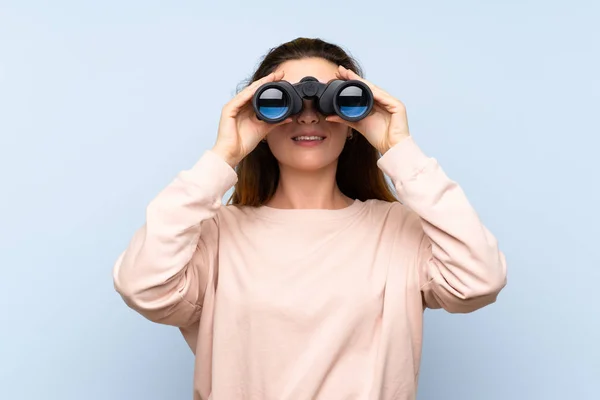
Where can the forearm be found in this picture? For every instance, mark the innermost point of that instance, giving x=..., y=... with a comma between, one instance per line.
x=163, y=270
x=461, y=267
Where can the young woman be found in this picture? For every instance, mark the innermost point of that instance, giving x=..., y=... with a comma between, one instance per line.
x=311, y=282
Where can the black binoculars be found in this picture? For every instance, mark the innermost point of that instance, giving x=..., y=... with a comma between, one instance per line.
x=352, y=100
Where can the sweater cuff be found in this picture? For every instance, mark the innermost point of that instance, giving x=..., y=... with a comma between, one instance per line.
x=403, y=161
x=211, y=173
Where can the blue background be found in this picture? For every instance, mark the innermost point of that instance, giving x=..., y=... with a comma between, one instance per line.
x=102, y=103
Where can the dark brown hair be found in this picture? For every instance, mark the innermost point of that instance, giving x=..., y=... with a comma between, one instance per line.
x=357, y=176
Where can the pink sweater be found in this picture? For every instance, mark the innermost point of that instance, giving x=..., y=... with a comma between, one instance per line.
x=309, y=304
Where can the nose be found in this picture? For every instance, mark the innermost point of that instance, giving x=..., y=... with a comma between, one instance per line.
x=309, y=114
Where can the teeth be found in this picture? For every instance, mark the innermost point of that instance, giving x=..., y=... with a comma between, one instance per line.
x=308, y=138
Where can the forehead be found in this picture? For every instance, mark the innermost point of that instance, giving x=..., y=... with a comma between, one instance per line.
x=321, y=69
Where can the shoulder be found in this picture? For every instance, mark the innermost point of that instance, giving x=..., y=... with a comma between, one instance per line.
x=236, y=212
x=395, y=213
x=388, y=209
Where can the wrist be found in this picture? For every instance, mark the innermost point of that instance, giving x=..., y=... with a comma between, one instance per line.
x=391, y=142
x=226, y=156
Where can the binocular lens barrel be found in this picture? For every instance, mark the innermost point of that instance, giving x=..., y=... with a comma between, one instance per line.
x=273, y=103
x=352, y=102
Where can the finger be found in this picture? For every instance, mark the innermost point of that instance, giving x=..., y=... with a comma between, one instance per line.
x=266, y=127
x=348, y=74
x=242, y=98
x=269, y=125
x=285, y=121
x=273, y=76
x=390, y=103
x=339, y=120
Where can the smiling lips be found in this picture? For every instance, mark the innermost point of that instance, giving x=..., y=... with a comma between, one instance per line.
x=308, y=140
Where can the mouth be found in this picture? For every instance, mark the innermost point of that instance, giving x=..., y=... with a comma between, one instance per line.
x=308, y=138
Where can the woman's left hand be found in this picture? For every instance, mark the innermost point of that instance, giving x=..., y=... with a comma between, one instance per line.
x=386, y=125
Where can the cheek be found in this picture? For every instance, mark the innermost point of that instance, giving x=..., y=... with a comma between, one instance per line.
x=277, y=139
x=277, y=135
x=339, y=132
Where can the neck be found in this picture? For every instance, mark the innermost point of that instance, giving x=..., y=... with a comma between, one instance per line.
x=308, y=190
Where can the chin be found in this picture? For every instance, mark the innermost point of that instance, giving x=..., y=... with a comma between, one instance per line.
x=308, y=164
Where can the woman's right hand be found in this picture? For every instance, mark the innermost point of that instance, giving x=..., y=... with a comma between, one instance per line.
x=240, y=131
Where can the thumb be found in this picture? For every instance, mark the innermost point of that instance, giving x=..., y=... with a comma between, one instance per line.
x=269, y=127
x=266, y=127
x=339, y=120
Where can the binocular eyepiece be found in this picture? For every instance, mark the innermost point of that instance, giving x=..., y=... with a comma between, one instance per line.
x=352, y=100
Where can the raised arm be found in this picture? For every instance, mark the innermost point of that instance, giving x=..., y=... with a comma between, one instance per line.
x=164, y=271
x=461, y=268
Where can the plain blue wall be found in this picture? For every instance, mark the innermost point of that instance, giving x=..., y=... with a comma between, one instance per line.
x=102, y=104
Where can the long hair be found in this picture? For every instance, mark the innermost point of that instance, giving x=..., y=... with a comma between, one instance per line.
x=357, y=176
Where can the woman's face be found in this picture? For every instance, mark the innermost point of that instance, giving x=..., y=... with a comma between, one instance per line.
x=309, y=142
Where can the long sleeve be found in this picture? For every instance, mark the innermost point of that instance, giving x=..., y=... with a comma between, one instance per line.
x=461, y=268
x=164, y=271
